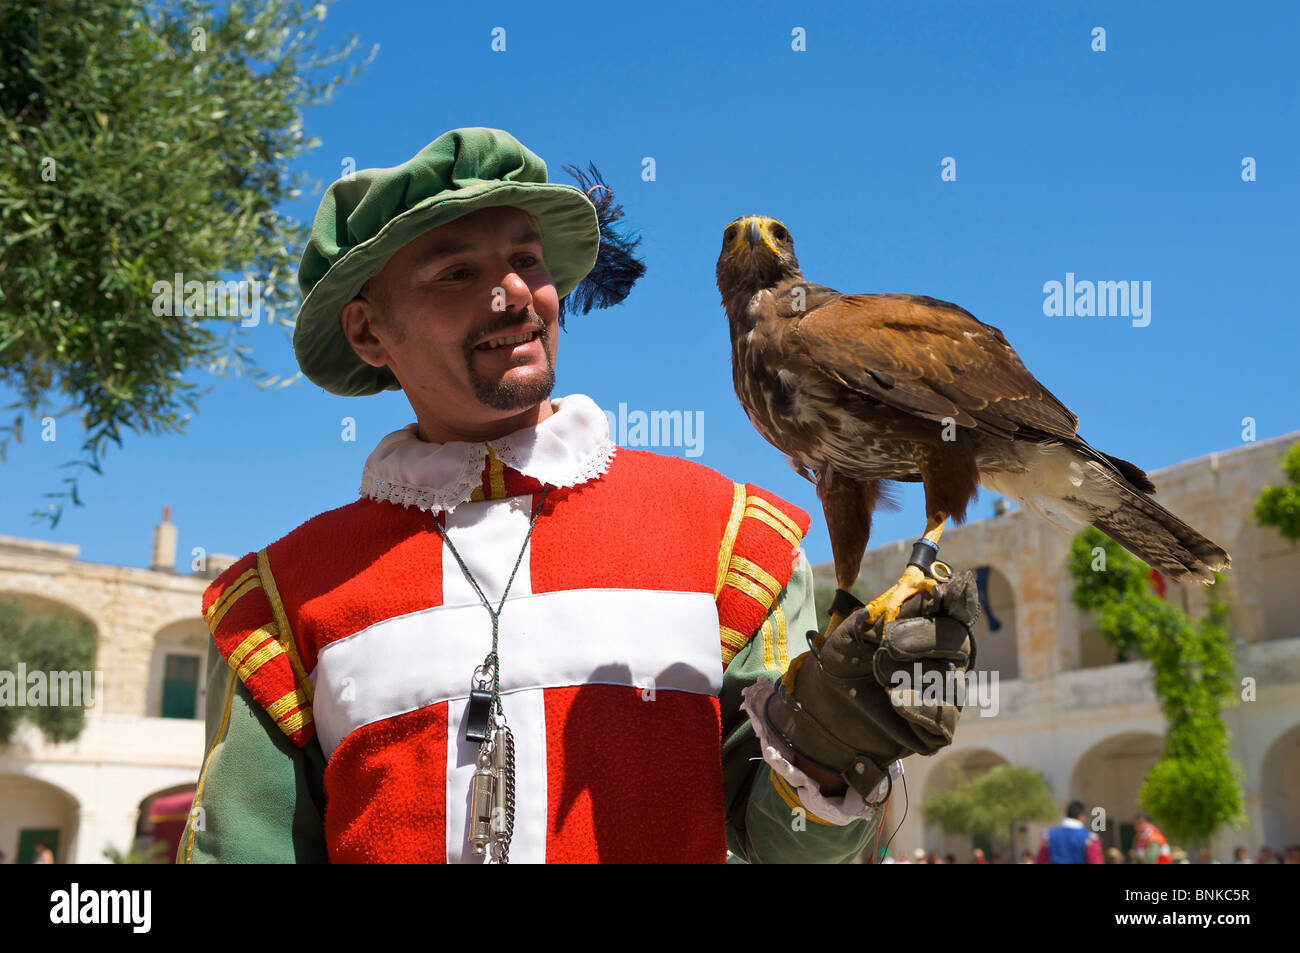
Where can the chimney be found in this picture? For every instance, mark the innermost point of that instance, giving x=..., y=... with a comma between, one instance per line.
x=217, y=563
x=164, y=544
x=999, y=506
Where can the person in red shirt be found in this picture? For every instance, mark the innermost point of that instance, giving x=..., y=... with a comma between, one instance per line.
x=1152, y=847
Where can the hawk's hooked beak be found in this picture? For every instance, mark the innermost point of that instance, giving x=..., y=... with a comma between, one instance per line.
x=753, y=232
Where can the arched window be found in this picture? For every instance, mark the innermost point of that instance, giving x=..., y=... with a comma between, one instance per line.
x=177, y=671
x=995, y=632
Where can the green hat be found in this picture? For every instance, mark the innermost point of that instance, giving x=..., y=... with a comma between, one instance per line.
x=363, y=220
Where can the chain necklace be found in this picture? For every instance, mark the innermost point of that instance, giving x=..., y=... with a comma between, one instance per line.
x=492, y=795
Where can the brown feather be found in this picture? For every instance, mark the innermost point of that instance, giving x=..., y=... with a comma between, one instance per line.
x=860, y=388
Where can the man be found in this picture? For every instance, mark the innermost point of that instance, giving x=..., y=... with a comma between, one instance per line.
x=520, y=644
x=1150, y=844
x=1070, y=842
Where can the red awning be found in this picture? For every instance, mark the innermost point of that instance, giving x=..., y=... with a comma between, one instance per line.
x=173, y=807
x=167, y=818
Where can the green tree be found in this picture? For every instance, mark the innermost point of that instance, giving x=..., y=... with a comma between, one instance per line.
x=139, y=140
x=991, y=804
x=1279, y=506
x=56, y=643
x=156, y=854
x=1195, y=787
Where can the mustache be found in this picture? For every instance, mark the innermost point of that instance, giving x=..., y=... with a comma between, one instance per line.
x=508, y=319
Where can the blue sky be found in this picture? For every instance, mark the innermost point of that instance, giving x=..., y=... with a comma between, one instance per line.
x=1116, y=165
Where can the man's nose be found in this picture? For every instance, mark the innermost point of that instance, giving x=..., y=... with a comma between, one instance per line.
x=517, y=293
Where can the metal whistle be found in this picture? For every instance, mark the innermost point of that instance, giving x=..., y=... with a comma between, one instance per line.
x=482, y=800
x=499, y=817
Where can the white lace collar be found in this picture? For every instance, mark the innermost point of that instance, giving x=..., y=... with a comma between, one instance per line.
x=569, y=447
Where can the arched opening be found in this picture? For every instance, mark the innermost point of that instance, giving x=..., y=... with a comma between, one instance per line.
x=995, y=632
x=1279, y=792
x=44, y=607
x=1108, y=776
x=35, y=812
x=40, y=607
x=52, y=648
x=177, y=671
x=162, y=820
x=956, y=767
x=1275, y=563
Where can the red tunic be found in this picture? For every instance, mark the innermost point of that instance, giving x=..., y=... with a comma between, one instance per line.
x=358, y=629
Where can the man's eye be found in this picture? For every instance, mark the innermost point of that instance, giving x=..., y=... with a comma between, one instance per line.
x=452, y=276
x=529, y=261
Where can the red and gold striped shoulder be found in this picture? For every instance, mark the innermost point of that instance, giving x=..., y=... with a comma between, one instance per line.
x=251, y=630
x=755, y=561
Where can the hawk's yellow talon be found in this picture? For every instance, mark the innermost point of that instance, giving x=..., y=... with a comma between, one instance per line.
x=889, y=602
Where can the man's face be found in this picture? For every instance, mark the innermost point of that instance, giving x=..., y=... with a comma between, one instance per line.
x=465, y=317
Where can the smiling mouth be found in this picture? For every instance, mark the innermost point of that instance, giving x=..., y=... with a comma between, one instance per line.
x=506, y=340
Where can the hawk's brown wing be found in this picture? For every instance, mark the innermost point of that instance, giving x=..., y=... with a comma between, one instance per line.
x=932, y=359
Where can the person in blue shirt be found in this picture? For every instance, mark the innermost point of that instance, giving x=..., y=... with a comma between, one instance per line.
x=1070, y=842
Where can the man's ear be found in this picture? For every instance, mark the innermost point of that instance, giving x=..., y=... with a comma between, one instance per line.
x=358, y=318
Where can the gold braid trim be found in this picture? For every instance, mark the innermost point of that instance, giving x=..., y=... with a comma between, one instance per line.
x=284, y=633
x=258, y=659
x=729, y=536
x=751, y=589
x=732, y=642
x=765, y=633
x=755, y=572
x=229, y=594
x=763, y=516
x=207, y=762
x=252, y=641
x=791, y=798
x=285, y=704
x=762, y=504
x=733, y=637
x=295, y=722
x=782, y=650
x=217, y=611
x=496, y=475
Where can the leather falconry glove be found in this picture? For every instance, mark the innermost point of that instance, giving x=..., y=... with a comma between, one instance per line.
x=866, y=696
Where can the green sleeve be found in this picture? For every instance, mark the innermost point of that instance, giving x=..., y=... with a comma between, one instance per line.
x=260, y=797
x=762, y=827
x=1152, y=852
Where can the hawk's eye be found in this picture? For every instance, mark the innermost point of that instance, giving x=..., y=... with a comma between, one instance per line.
x=779, y=233
x=730, y=234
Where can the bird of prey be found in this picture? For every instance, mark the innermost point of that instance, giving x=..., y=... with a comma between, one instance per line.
x=863, y=388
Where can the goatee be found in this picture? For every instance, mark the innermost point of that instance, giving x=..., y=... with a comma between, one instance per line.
x=512, y=395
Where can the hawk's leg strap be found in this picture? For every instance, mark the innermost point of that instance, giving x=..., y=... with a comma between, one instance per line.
x=923, y=558
x=923, y=554
x=845, y=604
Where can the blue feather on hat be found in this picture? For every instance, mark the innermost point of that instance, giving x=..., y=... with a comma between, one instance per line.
x=617, y=269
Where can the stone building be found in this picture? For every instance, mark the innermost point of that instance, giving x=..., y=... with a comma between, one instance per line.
x=1068, y=709
x=1065, y=708
x=143, y=739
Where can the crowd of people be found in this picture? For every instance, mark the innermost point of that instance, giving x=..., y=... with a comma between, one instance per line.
x=1074, y=842
x=1113, y=855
